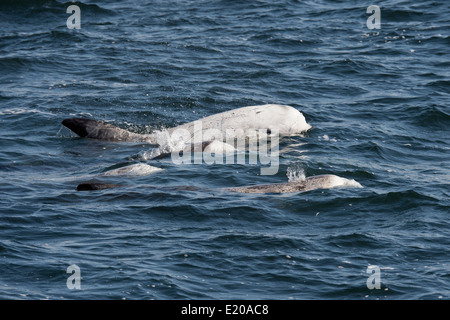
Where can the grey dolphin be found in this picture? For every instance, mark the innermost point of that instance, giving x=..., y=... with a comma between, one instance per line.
x=95, y=129
x=326, y=181
x=89, y=186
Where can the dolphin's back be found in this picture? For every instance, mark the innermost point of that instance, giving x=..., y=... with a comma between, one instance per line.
x=326, y=181
x=94, y=129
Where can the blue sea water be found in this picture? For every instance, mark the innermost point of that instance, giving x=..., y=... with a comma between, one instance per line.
x=378, y=101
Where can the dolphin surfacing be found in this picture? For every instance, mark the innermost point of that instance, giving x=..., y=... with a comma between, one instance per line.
x=326, y=181
x=283, y=119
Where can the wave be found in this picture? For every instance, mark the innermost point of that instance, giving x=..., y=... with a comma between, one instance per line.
x=433, y=116
x=16, y=111
x=51, y=6
x=443, y=85
x=396, y=15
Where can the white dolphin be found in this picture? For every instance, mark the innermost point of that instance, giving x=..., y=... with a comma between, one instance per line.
x=285, y=120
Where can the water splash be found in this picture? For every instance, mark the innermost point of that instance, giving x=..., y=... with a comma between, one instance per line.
x=167, y=144
x=295, y=172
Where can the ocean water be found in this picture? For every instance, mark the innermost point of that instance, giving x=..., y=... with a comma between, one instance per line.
x=378, y=101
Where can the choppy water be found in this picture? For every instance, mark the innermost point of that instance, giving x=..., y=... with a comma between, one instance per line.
x=378, y=101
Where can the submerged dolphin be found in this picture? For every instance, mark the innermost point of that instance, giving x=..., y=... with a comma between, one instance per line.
x=283, y=119
x=326, y=181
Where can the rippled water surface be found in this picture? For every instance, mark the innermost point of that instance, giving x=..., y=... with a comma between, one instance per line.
x=378, y=101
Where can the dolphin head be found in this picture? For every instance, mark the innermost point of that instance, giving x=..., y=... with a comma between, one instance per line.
x=299, y=124
x=283, y=119
x=328, y=181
